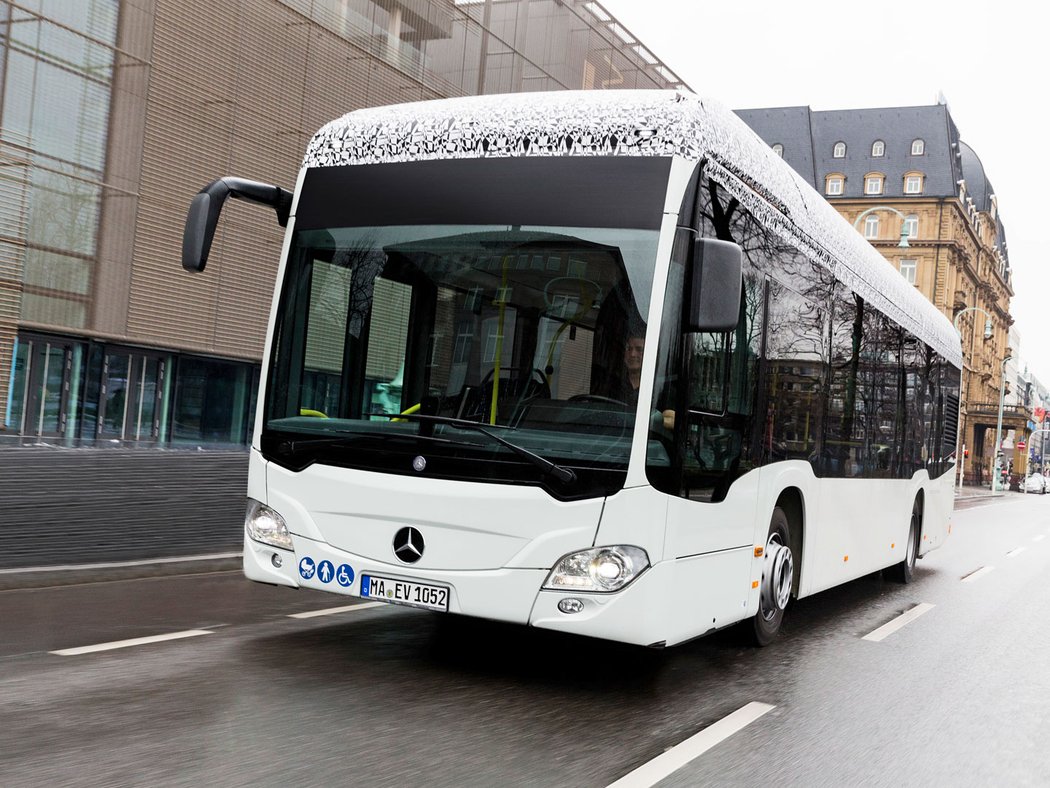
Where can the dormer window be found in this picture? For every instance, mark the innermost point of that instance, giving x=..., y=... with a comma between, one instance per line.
x=878, y=148
x=918, y=148
x=778, y=149
x=839, y=151
x=873, y=183
x=833, y=184
x=913, y=183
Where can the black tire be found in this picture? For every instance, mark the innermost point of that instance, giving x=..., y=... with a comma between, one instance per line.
x=904, y=572
x=767, y=621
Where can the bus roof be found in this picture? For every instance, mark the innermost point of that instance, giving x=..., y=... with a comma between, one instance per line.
x=638, y=123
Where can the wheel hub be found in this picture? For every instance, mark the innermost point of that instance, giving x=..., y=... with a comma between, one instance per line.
x=777, y=573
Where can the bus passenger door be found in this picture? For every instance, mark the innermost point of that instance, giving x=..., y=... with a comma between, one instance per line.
x=714, y=501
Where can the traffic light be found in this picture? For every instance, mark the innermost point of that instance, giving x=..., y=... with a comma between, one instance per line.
x=966, y=454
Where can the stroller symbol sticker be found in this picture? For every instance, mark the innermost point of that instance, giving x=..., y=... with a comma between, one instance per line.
x=307, y=567
x=344, y=575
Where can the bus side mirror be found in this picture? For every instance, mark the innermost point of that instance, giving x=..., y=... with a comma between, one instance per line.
x=204, y=212
x=715, y=286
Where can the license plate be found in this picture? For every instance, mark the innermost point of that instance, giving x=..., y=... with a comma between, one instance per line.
x=404, y=592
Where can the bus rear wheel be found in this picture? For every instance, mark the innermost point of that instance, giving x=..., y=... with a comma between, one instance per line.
x=778, y=572
x=904, y=572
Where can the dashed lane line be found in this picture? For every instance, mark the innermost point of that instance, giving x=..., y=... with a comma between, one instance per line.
x=903, y=619
x=649, y=774
x=1039, y=538
x=978, y=574
x=1016, y=552
x=329, y=611
x=74, y=652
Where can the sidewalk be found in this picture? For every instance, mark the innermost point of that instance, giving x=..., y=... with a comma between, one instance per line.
x=969, y=492
x=47, y=576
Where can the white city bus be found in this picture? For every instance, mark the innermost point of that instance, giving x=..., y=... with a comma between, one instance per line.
x=594, y=362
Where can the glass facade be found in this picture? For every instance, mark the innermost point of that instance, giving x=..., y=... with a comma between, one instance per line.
x=495, y=46
x=82, y=393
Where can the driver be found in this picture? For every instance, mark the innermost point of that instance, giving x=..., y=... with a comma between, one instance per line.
x=631, y=378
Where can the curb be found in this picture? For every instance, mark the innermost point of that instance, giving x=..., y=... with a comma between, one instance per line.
x=49, y=576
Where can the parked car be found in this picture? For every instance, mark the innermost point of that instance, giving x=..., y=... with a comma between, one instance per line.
x=1035, y=483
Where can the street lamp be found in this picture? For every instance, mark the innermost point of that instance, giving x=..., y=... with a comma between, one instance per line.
x=904, y=222
x=999, y=428
x=987, y=321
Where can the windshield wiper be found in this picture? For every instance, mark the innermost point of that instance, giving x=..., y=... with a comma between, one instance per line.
x=294, y=445
x=564, y=475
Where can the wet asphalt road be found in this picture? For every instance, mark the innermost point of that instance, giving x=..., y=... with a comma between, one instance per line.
x=385, y=696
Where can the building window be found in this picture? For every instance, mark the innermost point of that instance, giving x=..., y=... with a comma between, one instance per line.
x=908, y=269
x=911, y=226
x=871, y=227
x=873, y=184
x=839, y=151
x=778, y=149
x=55, y=79
x=878, y=148
x=913, y=183
x=918, y=148
x=833, y=185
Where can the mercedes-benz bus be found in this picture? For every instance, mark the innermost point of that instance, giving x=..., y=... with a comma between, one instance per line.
x=597, y=362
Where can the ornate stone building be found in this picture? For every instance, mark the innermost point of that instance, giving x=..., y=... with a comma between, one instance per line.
x=906, y=171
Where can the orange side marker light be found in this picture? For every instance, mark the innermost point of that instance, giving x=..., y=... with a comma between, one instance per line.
x=754, y=584
x=759, y=551
x=845, y=558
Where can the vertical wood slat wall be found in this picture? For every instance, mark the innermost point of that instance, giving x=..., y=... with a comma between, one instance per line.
x=14, y=178
x=235, y=88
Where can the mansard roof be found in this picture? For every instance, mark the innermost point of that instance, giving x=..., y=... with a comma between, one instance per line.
x=897, y=127
x=789, y=126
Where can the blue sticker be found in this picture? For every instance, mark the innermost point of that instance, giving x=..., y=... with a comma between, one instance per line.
x=307, y=567
x=325, y=570
x=344, y=575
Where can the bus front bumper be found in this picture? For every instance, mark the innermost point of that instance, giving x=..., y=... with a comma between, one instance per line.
x=512, y=595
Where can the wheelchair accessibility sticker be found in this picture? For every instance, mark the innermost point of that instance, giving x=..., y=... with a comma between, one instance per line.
x=344, y=575
x=307, y=567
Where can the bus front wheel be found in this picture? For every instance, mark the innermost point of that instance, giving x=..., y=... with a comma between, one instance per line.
x=777, y=574
x=905, y=570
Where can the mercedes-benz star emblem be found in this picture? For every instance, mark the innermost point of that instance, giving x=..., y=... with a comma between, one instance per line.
x=408, y=545
x=419, y=463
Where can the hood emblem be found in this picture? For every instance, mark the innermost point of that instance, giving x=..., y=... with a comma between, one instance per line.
x=408, y=545
x=419, y=463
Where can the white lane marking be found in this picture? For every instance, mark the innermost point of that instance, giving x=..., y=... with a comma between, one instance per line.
x=979, y=573
x=328, y=611
x=73, y=652
x=1016, y=551
x=661, y=766
x=1039, y=538
x=903, y=619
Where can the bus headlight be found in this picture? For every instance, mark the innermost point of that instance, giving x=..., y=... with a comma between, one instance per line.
x=266, y=526
x=601, y=569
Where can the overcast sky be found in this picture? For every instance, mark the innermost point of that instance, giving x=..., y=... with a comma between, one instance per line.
x=990, y=60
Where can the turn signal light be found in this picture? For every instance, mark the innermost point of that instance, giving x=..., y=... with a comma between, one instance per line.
x=759, y=551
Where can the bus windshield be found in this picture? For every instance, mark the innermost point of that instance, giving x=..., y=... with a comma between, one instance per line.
x=389, y=339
